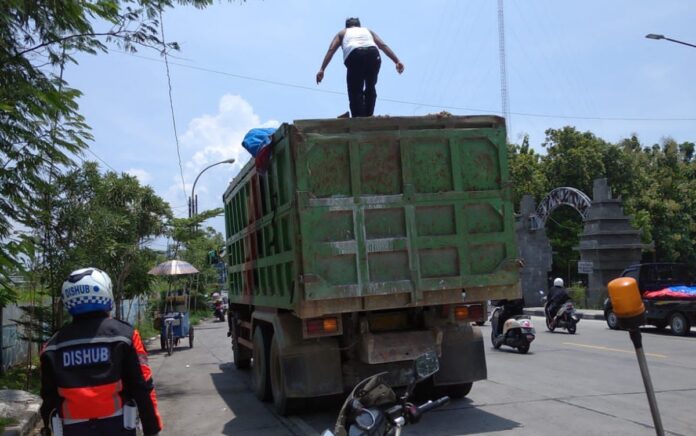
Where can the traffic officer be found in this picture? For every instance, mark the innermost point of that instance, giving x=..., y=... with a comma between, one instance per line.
x=94, y=371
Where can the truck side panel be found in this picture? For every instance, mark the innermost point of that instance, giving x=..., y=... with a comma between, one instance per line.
x=261, y=226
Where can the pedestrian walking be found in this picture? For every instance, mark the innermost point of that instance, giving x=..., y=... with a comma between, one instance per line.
x=94, y=371
x=362, y=60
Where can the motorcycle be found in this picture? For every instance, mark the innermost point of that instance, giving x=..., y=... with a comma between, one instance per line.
x=518, y=331
x=219, y=312
x=373, y=409
x=566, y=317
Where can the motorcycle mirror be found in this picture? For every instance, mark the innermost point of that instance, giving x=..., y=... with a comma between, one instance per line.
x=541, y=292
x=426, y=365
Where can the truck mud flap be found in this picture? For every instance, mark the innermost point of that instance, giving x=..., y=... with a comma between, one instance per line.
x=311, y=367
x=312, y=370
x=463, y=358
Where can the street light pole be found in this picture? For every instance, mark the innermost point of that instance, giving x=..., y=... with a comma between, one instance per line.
x=658, y=36
x=193, y=201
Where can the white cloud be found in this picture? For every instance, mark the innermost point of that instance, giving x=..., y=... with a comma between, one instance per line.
x=219, y=137
x=143, y=176
x=209, y=139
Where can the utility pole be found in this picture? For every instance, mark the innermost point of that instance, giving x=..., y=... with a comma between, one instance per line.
x=503, y=67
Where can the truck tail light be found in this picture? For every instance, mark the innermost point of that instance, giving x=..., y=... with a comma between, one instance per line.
x=461, y=313
x=470, y=312
x=324, y=326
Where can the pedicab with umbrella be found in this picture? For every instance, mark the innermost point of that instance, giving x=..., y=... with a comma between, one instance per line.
x=174, y=320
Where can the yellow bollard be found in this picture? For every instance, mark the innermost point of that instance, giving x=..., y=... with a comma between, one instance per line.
x=630, y=310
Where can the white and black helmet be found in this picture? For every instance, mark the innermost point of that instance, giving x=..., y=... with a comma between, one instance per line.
x=558, y=282
x=87, y=290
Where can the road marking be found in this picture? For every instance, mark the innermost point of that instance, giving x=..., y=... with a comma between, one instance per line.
x=618, y=350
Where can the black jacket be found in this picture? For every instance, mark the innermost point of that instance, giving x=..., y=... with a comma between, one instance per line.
x=91, y=367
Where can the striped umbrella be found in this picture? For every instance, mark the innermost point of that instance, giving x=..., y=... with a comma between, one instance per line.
x=173, y=268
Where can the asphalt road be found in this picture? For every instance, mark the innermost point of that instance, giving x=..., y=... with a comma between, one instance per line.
x=588, y=383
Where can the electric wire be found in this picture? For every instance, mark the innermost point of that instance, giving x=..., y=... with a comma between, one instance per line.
x=100, y=159
x=414, y=103
x=171, y=104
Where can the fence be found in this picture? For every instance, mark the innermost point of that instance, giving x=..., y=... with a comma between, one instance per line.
x=14, y=349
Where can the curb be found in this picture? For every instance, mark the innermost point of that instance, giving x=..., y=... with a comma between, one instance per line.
x=581, y=314
x=27, y=422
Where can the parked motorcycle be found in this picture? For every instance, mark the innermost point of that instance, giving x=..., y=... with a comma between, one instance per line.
x=373, y=409
x=518, y=331
x=566, y=317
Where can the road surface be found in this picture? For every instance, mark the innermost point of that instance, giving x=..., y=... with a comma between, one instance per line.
x=588, y=384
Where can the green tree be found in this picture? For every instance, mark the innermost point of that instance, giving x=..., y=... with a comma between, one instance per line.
x=573, y=158
x=40, y=124
x=104, y=221
x=125, y=218
x=526, y=174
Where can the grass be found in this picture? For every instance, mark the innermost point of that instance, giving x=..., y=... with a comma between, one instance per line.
x=16, y=378
x=4, y=422
x=146, y=329
x=198, y=316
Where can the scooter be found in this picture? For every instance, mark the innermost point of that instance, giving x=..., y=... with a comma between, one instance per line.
x=373, y=408
x=566, y=317
x=518, y=331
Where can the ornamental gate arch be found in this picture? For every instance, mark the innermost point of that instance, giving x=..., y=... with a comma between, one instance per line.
x=608, y=240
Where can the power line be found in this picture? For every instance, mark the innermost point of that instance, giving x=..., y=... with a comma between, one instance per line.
x=101, y=160
x=413, y=103
x=171, y=104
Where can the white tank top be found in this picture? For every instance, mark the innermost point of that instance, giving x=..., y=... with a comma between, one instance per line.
x=356, y=37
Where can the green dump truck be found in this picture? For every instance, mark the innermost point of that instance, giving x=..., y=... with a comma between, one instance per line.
x=363, y=243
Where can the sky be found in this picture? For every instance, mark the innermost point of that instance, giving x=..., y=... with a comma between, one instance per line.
x=251, y=64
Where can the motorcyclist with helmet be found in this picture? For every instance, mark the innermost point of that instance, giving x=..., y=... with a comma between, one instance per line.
x=558, y=295
x=94, y=371
x=511, y=308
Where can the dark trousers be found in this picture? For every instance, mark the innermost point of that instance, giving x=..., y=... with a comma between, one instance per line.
x=363, y=68
x=98, y=427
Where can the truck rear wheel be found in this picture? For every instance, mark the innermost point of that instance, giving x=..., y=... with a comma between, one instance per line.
x=283, y=405
x=679, y=324
x=260, y=379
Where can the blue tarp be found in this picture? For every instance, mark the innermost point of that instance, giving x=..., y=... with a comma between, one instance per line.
x=256, y=139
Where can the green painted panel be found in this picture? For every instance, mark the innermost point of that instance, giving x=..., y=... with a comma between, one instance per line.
x=389, y=266
x=436, y=220
x=485, y=258
x=431, y=165
x=336, y=270
x=484, y=217
x=373, y=207
x=441, y=262
x=328, y=169
x=380, y=167
x=479, y=164
x=385, y=223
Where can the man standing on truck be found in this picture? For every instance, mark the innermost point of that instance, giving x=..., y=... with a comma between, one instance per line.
x=361, y=57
